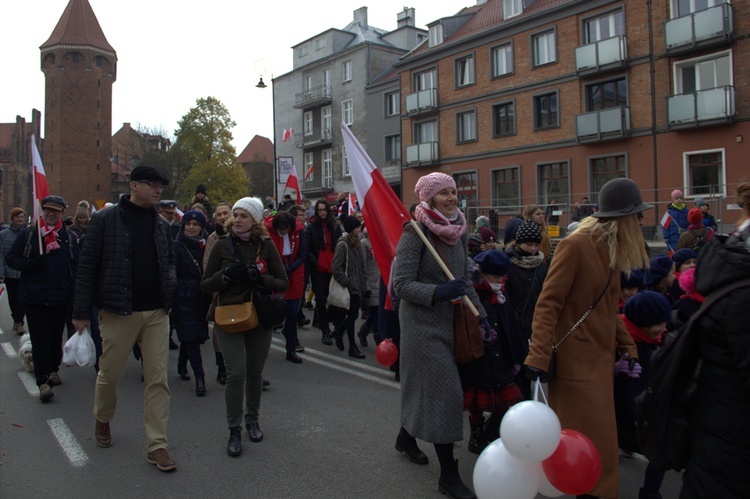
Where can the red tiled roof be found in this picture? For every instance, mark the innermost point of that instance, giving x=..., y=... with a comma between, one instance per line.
x=78, y=27
x=259, y=150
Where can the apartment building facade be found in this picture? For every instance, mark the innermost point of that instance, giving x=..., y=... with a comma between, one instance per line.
x=543, y=101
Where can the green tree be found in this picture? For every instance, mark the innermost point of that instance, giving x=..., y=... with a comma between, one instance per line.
x=204, y=137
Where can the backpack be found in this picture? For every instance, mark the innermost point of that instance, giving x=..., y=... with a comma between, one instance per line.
x=663, y=409
x=699, y=239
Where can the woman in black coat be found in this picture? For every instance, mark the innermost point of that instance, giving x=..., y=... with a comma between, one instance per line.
x=719, y=458
x=191, y=304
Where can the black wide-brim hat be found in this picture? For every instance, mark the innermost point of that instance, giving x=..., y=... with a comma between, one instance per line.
x=620, y=197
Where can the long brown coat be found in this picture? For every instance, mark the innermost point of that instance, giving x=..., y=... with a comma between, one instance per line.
x=582, y=393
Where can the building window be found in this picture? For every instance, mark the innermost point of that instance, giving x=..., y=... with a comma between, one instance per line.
x=302, y=50
x=308, y=123
x=347, y=112
x=603, y=27
x=327, y=173
x=309, y=171
x=544, y=48
x=393, y=148
x=512, y=8
x=502, y=60
x=393, y=104
x=344, y=163
x=704, y=73
x=506, y=190
x=308, y=83
x=706, y=172
x=605, y=169
x=681, y=8
x=553, y=183
x=465, y=71
x=466, y=126
x=320, y=43
x=435, y=35
x=607, y=94
x=347, y=71
x=426, y=131
x=504, y=119
x=325, y=122
x=466, y=187
x=326, y=77
x=425, y=80
x=545, y=111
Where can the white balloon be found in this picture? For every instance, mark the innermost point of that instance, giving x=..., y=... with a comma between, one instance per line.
x=531, y=431
x=546, y=488
x=498, y=475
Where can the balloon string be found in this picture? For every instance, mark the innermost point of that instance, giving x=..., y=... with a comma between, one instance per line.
x=537, y=390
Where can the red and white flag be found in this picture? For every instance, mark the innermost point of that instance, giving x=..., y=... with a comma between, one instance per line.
x=309, y=172
x=41, y=189
x=352, y=203
x=384, y=213
x=287, y=134
x=292, y=182
x=666, y=220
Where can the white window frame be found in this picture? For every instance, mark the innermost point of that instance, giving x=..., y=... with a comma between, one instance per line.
x=325, y=122
x=687, y=177
x=420, y=127
x=465, y=70
x=309, y=164
x=507, y=59
x=326, y=78
x=435, y=35
x=347, y=71
x=307, y=120
x=677, y=68
x=611, y=19
x=327, y=165
x=466, y=126
x=392, y=147
x=505, y=209
x=345, y=163
x=392, y=103
x=307, y=83
x=544, y=46
x=425, y=80
x=675, y=3
x=347, y=111
x=512, y=8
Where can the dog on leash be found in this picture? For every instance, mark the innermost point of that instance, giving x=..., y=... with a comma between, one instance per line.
x=24, y=352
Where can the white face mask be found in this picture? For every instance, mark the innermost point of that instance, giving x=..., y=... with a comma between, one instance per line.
x=496, y=288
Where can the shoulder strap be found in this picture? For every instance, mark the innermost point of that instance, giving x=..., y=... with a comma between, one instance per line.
x=585, y=314
x=713, y=298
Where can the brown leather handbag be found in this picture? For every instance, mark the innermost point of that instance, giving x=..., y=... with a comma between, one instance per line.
x=236, y=318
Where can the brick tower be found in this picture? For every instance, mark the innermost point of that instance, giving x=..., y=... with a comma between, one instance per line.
x=79, y=66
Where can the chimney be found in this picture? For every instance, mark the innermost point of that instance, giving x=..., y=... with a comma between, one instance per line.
x=405, y=18
x=360, y=16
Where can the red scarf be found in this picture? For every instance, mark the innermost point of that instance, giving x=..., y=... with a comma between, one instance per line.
x=638, y=335
x=694, y=295
x=50, y=235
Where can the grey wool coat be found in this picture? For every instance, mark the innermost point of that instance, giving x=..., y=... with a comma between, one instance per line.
x=431, y=392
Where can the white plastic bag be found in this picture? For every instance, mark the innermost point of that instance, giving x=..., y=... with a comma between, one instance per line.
x=79, y=349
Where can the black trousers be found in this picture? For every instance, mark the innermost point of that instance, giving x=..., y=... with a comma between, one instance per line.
x=348, y=318
x=191, y=351
x=320, y=283
x=46, y=325
x=14, y=298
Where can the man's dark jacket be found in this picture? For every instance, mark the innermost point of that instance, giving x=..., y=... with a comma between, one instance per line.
x=104, y=270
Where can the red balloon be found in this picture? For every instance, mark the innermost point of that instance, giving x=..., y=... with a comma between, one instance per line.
x=386, y=353
x=575, y=467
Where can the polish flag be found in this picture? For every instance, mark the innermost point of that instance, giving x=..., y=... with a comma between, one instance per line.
x=292, y=182
x=666, y=220
x=41, y=189
x=352, y=203
x=384, y=213
x=287, y=134
x=309, y=172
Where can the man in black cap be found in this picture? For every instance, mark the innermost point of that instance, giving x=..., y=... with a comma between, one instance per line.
x=200, y=197
x=286, y=203
x=47, y=277
x=168, y=211
x=128, y=270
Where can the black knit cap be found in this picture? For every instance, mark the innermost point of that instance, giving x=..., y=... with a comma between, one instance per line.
x=528, y=232
x=647, y=308
x=351, y=223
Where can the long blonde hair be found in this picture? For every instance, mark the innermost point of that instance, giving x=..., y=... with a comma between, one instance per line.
x=623, y=237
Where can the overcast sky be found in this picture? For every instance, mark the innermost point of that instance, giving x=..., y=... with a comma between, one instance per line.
x=172, y=52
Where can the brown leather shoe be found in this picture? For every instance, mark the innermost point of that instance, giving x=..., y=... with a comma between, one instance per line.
x=102, y=434
x=54, y=379
x=160, y=457
x=45, y=392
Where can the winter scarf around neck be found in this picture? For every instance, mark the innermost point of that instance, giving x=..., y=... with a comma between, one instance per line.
x=638, y=335
x=449, y=231
x=50, y=235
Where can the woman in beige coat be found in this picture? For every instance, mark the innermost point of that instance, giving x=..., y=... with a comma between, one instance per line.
x=582, y=391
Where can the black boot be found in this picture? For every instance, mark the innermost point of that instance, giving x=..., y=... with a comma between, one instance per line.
x=477, y=443
x=408, y=444
x=492, y=428
x=254, y=430
x=338, y=336
x=183, y=372
x=450, y=483
x=354, y=352
x=326, y=339
x=234, y=447
x=364, y=330
x=200, y=386
x=221, y=376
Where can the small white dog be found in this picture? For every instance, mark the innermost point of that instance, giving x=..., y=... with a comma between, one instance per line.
x=24, y=352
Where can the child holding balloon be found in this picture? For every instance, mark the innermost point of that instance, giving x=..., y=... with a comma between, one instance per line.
x=489, y=382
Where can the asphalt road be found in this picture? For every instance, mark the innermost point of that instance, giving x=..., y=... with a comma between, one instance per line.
x=329, y=424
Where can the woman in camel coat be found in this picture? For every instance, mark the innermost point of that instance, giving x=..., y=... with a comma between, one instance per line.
x=582, y=391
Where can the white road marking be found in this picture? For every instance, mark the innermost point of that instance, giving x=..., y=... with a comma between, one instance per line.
x=68, y=442
x=9, y=350
x=335, y=358
x=29, y=381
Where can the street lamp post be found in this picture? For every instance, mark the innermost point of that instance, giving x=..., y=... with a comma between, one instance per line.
x=264, y=64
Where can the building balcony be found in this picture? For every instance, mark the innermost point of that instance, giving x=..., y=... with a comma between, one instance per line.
x=604, y=124
x=318, y=96
x=422, y=102
x=318, y=138
x=701, y=29
x=425, y=153
x=704, y=107
x=601, y=56
x=317, y=186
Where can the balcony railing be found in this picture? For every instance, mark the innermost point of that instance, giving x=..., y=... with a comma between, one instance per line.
x=603, y=55
x=422, y=102
x=704, y=107
x=313, y=97
x=611, y=123
x=699, y=29
x=422, y=154
x=317, y=138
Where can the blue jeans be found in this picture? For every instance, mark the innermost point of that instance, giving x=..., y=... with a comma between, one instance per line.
x=290, y=324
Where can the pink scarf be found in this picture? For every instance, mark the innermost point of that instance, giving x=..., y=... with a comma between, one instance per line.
x=50, y=235
x=448, y=231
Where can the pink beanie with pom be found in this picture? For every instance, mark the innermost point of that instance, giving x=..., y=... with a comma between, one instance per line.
x=431, y=184
x=676, y=193
x=687, y=280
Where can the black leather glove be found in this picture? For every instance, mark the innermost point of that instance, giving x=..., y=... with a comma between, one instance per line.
x=450, y=290
x=534, y=374
x=236, y=273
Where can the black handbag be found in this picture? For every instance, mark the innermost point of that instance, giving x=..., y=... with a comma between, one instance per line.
x=271, y=308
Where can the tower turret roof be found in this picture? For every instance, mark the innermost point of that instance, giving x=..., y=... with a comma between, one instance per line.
x=79, y=28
